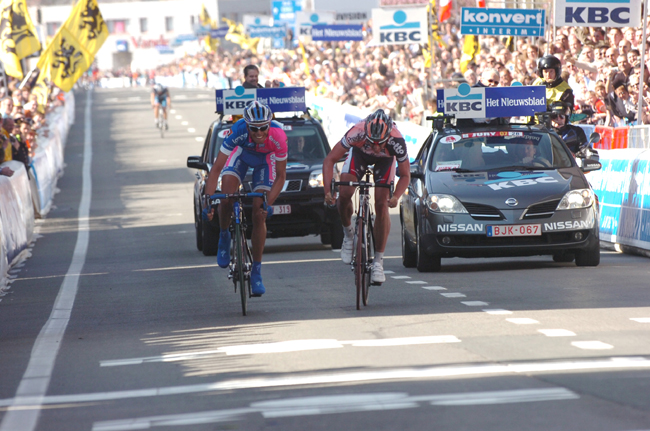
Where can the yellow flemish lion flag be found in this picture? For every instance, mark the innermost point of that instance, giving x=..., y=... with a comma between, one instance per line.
x=470, y=49
x=17, y=36
x=73, y=49
x=204, y=17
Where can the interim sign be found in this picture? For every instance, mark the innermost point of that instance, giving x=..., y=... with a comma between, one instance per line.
x=506, y=22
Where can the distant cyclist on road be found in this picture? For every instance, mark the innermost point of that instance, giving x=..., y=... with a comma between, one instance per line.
x=160, y=98
x=373, y=141
x=259, y=143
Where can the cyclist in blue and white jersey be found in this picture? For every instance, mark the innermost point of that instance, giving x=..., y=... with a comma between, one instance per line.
x=160, y=98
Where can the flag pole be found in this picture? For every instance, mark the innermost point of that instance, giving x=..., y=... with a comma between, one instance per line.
x=4, y=79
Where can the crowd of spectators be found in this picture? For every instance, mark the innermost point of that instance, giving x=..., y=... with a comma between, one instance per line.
x=22, y=118
x=601, y=65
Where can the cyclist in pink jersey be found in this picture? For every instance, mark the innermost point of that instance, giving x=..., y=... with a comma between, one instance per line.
x=373, y=141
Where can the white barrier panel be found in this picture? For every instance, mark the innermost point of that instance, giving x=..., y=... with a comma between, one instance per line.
x=623, y=189
x=16, y=217
x=638, y=137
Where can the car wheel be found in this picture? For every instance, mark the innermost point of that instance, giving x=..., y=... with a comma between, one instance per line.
x=210, y=236
x=563, y=257
x=588, y=257
x=409, y=256
x=336, y=235
x=198, y=229
x=425, y=261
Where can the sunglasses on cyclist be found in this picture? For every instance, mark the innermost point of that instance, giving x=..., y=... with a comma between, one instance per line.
x=263, y=128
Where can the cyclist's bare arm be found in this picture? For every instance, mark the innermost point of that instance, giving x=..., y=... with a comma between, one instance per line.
x=215, y=171
x=278, y=183
x=169, y=100
x=404, y=171
x=153, y=99
x=338, y=152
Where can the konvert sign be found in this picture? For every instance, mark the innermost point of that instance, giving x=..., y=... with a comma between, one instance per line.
x=506, y=22
x=596, y=13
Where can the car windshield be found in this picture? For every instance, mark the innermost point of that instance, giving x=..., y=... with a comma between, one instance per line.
x=304, y=143
x=482, y=151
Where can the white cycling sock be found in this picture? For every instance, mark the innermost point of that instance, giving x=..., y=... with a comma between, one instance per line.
x=349, y=231
x=379, y=257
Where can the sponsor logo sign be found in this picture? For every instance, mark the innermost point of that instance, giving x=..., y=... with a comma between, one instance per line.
x=267, y=31
x=284, y=11
x=284, y=99
x=491, y=102
x=507, y=180
x=598, y=13
x=219, y=33
x=399, y=26
x=569, y=225
x=508, y=22
x=478, y=227
x=306, y=20
x=352, y=17
x=332, y=33
x=449, y=139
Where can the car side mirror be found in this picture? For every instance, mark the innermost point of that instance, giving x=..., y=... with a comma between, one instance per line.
x=594, y=138
x=589, y=165
x=416, y=171
x=195, y=162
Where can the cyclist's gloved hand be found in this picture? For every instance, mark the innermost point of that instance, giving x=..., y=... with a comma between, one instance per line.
x=269, y=211
x=204, y=213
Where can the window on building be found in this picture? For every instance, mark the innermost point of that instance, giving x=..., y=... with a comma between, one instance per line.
x=169, y=23
x=144, y=25
x=52, y=27
x=192, y=20
x=116, y=26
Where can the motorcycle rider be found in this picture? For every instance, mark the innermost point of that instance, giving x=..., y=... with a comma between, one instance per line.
x=549, y=69
x=573, y=136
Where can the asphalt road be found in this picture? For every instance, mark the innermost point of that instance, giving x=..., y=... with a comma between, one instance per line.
x=117, y=322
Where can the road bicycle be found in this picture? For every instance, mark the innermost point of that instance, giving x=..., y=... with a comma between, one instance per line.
x=241, y=258
x=364, y=237
x=162, y=123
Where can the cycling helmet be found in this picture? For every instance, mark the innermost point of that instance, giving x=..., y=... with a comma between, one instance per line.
x=257, y=113
x=549, y=62
x=378, y=127
x=158, y=88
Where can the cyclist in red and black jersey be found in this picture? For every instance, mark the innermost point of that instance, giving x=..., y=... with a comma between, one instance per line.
x=373, y=141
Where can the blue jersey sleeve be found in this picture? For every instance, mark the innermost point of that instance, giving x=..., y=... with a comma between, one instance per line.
x=238, y=135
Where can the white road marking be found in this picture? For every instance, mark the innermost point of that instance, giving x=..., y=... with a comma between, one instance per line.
x=475, y=303
x=416, y=282
x=434, y=288
x=283, y=347
x=641, y=319
x=592, y=345
x=172, y=111
x=497, y=311
x=389, y=272
x=557, y=332
x=199, y=139
x=181, y=96
x=522, y=321
x=191, y=130
x=111, y=99
x=454, y=295
x=290, y=380
x=340, y=403
x=134, y=99
x=185, y=123
x=400, y=277
x=178, y=117
x=33, y=386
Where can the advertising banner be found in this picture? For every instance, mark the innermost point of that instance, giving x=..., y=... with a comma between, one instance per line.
x=399, y=26
x=283, y=99
x=597, y=13
x=284, y=11
x=492, y=102
x=360, y=17
x=267, y=31
x=219, y=33
x=331, y=33
x=249, y=20
x=508, y=22
x=306, y=20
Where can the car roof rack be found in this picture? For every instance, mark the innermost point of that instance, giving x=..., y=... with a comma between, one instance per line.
x=440, y=121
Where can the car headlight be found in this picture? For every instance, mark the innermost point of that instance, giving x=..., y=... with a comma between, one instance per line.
x=316, y=178
x=444, y=204
x=581, y=198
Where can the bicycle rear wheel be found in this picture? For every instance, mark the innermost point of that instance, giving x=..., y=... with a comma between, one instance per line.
x=240, y=263
x=359, y=260
x=161, y=126
x=369, y=250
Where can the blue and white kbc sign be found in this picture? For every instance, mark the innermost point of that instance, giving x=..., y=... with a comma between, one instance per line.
x=507, y=22
x=491, y=102
x=598, y=13
x=399, y=26
x=283, y=99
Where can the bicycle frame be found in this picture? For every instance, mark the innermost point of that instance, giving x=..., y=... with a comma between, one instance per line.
x=241, y=258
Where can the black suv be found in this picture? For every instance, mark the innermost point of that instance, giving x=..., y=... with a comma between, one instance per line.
x=299, y=210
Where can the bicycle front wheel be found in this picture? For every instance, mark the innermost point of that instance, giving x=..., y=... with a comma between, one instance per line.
x=161, y=126
x=369, y=250
x=240, y=266
x=360, y=260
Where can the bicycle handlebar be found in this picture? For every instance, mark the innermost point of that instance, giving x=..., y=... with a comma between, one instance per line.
x=217, y=196
x=361, y=184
